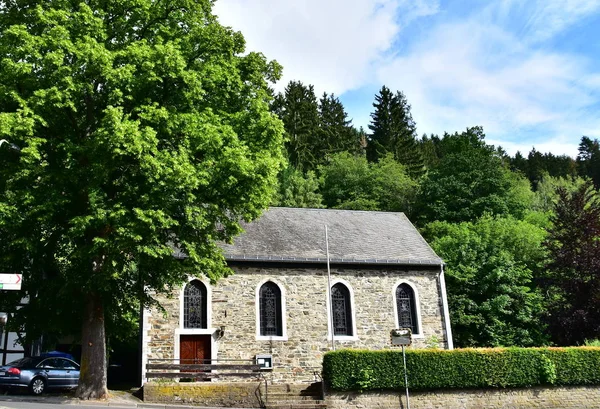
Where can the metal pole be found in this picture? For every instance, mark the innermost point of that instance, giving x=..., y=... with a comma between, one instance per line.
x=329, y=290
x=405, y=378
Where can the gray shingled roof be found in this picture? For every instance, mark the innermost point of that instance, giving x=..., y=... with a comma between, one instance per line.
x=289, y=234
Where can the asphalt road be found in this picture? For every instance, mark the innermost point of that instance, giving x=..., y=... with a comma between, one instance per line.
x=36, y=405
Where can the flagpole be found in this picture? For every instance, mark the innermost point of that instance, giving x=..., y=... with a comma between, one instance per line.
x=329, y=286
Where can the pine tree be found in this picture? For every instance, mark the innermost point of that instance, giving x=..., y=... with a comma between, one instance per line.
x=336, y=131
x=405, y=148
x=379, y=141
x=588, y=160
x=298, y=109
x=394, y=130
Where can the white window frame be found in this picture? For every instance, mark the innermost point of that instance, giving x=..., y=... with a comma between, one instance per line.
x=354, y=336
x=180, y=330
x=417, y=306
x=284, y=335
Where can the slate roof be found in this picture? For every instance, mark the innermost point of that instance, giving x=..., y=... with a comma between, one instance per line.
x=355, y=237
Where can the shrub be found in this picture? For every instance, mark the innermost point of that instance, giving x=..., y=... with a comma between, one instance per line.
x=361, y=370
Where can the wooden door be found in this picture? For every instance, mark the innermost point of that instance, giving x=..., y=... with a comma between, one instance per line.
x=194, y=349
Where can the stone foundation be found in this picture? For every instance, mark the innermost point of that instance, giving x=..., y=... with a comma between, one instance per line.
x=584, y=397
x=225, y=394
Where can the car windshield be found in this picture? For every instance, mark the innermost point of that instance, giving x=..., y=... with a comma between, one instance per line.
x=23, y=362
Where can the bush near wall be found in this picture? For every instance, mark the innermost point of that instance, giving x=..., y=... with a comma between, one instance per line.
x=361, y=370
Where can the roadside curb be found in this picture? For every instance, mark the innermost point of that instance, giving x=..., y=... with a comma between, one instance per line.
x=107, y=403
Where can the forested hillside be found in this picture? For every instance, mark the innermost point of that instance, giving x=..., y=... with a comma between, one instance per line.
x=520, y=235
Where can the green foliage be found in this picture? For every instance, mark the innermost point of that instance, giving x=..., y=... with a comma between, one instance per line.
x=548, y=370
x=297, y=190
x=470, y=180
x=336, y=133
x=144, y=126
x=490, y=266
x=588, y=159
x=428, y=369
x=536, y=165
x=298, y=109
x=350, y=182
x=394, y=131
x=546, y=194
x=573, y=272
x=433, y=342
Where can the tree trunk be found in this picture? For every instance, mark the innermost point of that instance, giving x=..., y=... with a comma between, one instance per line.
x=92, y=379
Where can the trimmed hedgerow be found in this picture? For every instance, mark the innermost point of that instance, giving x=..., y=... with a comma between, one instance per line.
x=362, y=370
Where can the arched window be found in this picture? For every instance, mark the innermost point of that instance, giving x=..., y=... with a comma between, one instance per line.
x=194, y=305
x=270, y=310
x=341, y=309
x=406, y=307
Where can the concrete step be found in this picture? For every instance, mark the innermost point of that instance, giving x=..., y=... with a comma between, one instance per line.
x=296, y=389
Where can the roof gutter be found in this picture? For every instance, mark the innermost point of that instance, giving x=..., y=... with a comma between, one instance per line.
x=319, y=260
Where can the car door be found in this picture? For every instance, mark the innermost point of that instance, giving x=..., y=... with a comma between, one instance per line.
x=71, y=372
x=54, y=374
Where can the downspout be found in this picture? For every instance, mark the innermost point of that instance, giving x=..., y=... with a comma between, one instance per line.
x=445, y=309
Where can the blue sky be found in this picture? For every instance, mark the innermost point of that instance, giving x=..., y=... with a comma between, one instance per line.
x=527, y=71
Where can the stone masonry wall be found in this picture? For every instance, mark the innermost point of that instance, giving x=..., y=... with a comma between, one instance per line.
x=296, y=357
x=583, y=397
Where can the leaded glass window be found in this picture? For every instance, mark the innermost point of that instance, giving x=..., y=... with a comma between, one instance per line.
x=270, y=310
x=342, y=310
x=407, y=312
x=194, y=305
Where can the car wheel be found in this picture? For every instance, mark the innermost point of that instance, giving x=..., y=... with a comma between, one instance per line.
x=37, y=386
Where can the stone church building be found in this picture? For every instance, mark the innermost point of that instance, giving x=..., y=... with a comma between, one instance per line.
x=282, y=303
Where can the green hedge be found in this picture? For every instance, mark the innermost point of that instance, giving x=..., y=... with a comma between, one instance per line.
x=361, y=370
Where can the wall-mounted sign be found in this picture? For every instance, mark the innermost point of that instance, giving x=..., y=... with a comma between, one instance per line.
x=10, y=281
x=265, y=361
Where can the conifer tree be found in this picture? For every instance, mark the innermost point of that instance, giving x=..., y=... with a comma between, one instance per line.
x=404, y=145
x=379, y=141
x=336, y=132
x=394, y=130
x=298, y=109
x=588, y=160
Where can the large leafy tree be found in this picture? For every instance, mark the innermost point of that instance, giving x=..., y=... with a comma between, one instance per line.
x=573, y=280
x=351, y=182
x=296, y=189
x=470, y=180
x=144, y=127
x=491, y=266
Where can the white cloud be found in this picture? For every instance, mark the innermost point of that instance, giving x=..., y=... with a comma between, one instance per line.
x=490, y=68
x=332, y=44
x=553, y=16
x=473, y=72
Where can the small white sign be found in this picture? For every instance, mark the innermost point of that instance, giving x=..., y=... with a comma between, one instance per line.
x=10, y=281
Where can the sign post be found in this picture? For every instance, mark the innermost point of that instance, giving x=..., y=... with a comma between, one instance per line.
x=10, y=281
x=403, y=337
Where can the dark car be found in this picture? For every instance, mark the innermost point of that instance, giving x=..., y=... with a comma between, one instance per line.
x=40, y=373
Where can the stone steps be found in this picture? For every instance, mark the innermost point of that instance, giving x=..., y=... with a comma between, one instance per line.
x=296, y=396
